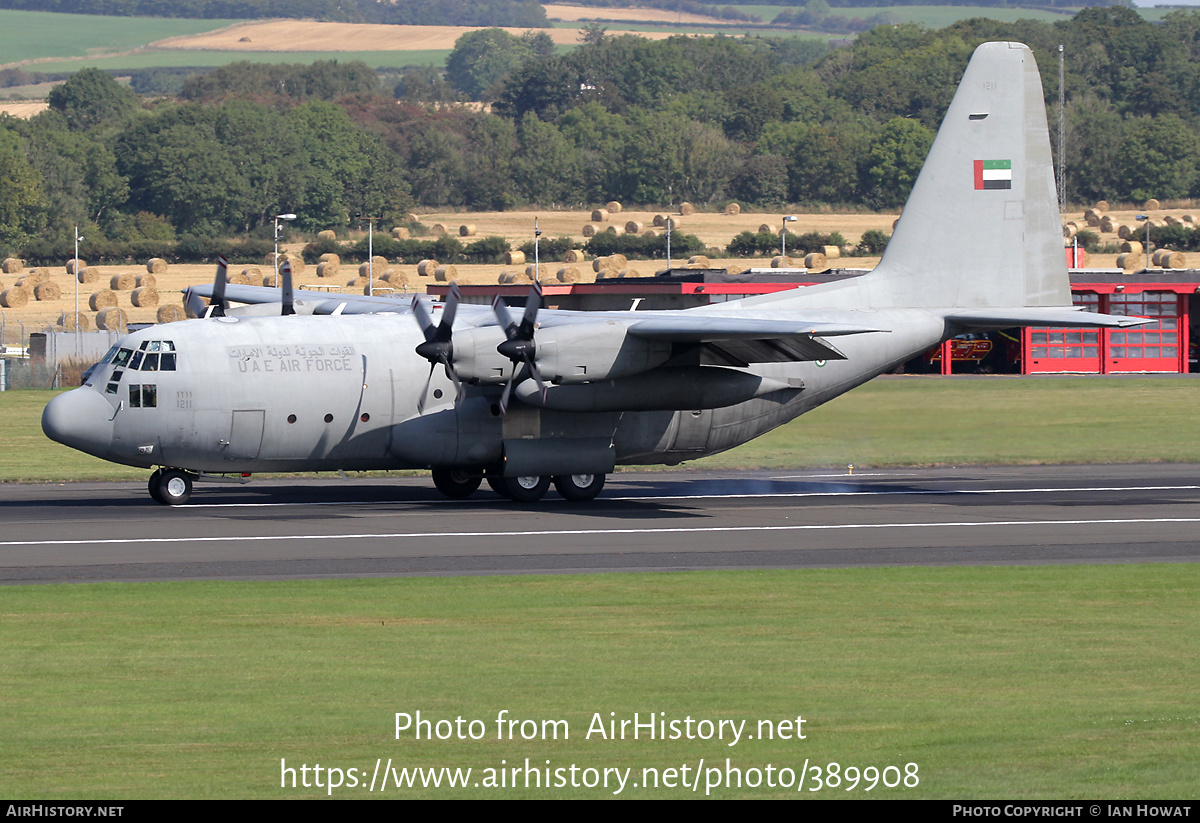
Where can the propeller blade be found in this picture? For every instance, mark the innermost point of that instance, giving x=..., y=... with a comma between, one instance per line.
x=288, y=296
x=438, y=346
x=507, y=392
x=217, y=304
x=422, y=316
x=425, y=391
x=532, y=303
x=194, y=303
x=503, y=317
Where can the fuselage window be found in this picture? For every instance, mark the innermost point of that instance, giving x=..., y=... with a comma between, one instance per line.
x=167, y=345
x=151, y=362
x=144, y=344
x=154, y=346
x=143, y=397
x=122, y=357
x=111, y=388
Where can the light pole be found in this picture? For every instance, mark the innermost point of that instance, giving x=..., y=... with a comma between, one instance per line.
x=537, y=235
x=76, y=319
x=370, y=253
x=670, y=221
x=1146, y=217
x=791, y=218
x=278, y=217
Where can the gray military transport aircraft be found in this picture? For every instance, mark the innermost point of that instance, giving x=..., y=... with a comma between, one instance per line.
x=337, y=383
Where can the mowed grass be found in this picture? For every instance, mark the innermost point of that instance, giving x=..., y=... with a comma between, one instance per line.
x=894, y=421
x=30, y=35
x=1046, y=682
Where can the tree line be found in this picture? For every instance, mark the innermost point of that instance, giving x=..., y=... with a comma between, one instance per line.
x=770, y=122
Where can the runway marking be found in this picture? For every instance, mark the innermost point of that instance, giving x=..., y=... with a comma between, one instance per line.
x=755, y=496
x=582, y=532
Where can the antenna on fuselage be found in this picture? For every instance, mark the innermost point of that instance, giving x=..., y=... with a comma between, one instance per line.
x=286, y=292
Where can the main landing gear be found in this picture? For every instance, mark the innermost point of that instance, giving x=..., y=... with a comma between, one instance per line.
x=170, y=487
x=577, y=488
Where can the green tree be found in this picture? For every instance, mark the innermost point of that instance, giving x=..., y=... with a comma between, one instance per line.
x=91, y=97
x=22, y=208
x=894, y=161
x=1159, y=158
x=482, y=59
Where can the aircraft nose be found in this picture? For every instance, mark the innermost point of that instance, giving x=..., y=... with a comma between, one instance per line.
x=81, y=419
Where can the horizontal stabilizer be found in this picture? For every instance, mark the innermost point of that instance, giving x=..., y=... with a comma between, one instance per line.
x=1033, y=316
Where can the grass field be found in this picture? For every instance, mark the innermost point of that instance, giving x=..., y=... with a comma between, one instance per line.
x=1054, y=682
x=202, y=59
x=896, y=421
x=31, y=35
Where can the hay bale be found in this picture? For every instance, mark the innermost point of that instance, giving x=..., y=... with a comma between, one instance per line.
x=1102, y=206
x=156, y=265
x=613, y=206
x=599, y=215
x=400, y=233
x=47, y=291
x=600, y=263
x=1107, y=225
x=74, y=265
x=327, y=234
x=396, y=277
x=296, y=261
x=445, y=274
x=1128, y=261
x=631, y=273
x=269, y=259
x=144, y=280
x=514, y=258
x=252, y=272
x=686, y=208
x=327, y=269
x=170, y=314
x=589, y=230
x=1173, y=260
x=700, y=261
x=634, y=227
x=112, y=320
x=145, y=298
x=13, y=265
x=122, y=282
x=330, y=257
x=659, y=220
x=616, y=230
x=14, y=297
x=237, y=279
x=815, y=261
x=832, y=252
x=766, y=227
x=569, y=274
x=733, y=209
x=74, y=321
x=438, y=230
x=426, y=268
x=779, y=262
x=1092, y=218
x=735, y=268
x=505, y=278
x=671, y=223
x=1152, y=204
x=103, y=299
x=574, y=256
x=1189, y=219
x=34, y=277
x=608, y=274
x=650, y=233
x=618, y=261
x=1126, y=232
x=1132, y=247
x=41, y=273
x=357, y=282
x=272, y=280
x=466, y=230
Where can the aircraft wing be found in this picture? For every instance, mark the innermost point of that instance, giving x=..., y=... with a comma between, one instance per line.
x=1000, y=318
x=738, y=341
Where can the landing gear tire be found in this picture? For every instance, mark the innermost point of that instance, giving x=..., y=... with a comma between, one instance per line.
x=171, y=487
x=579, y=488
x=457, y=484
x=152, y=487
x=522, y=489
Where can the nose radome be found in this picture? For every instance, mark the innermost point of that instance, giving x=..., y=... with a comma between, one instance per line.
x=81, y=419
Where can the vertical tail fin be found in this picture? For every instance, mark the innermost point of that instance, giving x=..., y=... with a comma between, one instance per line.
x=981, y=227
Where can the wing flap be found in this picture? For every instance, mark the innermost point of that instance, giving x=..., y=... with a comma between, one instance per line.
x=1006, y=318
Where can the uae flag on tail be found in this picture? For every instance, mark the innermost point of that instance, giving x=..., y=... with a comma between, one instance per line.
x=993, y=174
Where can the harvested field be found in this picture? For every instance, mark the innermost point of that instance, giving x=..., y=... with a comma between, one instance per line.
x=23, y=108
x=634, y=15
x=305, y=35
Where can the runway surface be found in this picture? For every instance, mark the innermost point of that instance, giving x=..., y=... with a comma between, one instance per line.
x=279, y=529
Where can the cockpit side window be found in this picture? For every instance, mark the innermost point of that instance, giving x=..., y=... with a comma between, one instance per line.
x=109, y=355
x=136, y=362
x=122, y=357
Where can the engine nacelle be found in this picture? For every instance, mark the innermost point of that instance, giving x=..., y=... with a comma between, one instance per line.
x=576, y=353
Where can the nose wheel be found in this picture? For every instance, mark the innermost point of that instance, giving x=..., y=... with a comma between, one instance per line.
x=170, y=487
